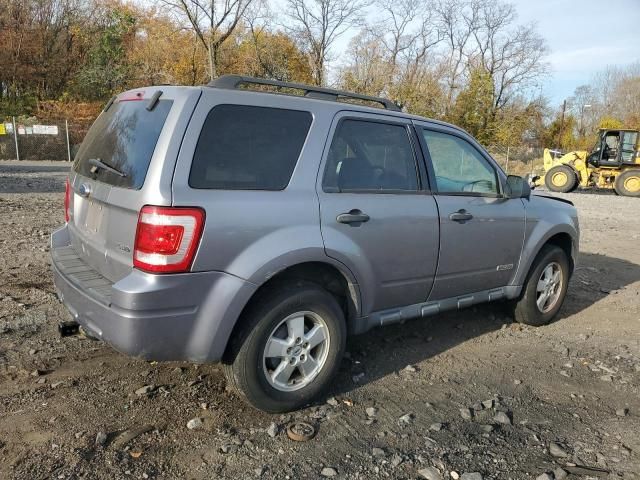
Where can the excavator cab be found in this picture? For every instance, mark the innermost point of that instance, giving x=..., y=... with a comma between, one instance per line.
x=614, y=149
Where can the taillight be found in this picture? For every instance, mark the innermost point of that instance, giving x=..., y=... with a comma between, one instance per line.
x=167, y=238
x=67, y=200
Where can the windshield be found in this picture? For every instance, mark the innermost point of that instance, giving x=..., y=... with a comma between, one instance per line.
x=123, y=138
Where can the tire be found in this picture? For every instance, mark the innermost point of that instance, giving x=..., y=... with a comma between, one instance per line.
x=561, y=178
x=527, y=310
x=275, y=316
x=628, y=183
x=575, y=186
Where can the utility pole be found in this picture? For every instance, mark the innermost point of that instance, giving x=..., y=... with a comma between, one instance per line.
x=561, y=130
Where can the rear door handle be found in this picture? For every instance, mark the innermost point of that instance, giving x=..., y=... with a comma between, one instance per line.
x=460, y=216
x=353, y=217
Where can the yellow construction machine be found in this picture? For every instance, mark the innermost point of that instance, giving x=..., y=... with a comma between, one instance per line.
x=614, y=163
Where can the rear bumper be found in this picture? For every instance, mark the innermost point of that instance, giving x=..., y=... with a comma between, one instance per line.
x=186, y=316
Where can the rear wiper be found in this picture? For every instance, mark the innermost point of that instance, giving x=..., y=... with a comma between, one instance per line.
x=96, y=163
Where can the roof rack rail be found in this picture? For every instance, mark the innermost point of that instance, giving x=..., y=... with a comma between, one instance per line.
x=232, y=82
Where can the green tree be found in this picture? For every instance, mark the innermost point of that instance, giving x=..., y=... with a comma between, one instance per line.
x=560, y=133
x=473, y=108
x=107, y=70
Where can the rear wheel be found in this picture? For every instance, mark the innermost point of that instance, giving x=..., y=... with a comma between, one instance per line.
x=545, y=289
x=628, y=183
x=561, y=178
x=290, y=350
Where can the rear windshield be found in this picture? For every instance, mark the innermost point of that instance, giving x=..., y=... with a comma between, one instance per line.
x=248, y=148
x=124, y=138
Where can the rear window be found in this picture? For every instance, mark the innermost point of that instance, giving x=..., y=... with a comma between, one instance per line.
x=248, y=148
x=124, y=138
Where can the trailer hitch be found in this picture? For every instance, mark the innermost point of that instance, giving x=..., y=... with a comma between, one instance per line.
x=68, y=329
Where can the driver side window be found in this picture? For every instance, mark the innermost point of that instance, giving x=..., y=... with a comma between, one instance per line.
x=459, y=168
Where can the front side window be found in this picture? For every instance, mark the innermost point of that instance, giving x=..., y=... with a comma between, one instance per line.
x=370, y=156
x=459, y=168
x=248, y=148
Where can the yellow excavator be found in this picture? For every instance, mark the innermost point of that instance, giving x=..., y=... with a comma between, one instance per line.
x=614, y=162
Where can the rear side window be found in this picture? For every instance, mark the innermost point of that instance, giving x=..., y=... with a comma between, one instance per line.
x=248, y=148
x=124, y=137
x=370, y=156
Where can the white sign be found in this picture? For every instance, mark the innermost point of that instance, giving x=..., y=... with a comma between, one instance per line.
x=45, y=129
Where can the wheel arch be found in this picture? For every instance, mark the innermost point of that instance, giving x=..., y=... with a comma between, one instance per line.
x=564, y=241
x=560, y=238
x=337, y=280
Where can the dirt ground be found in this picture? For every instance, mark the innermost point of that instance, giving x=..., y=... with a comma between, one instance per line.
x=69, y=407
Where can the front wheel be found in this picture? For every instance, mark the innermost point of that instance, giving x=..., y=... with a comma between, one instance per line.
x=293, y=341
x=561, y=178
x=545, y=289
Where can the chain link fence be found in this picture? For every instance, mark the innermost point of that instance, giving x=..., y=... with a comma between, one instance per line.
x=24, y=138
x=31, y=139
x=518, y=160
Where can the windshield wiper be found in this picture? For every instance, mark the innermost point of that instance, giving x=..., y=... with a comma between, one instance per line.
x=96, y=163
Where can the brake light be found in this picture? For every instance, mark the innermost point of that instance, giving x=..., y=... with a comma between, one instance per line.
x=167, y=238
x=131, y=97
x=67, y=200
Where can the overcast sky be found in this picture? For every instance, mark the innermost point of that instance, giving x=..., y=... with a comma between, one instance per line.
x=584, y=37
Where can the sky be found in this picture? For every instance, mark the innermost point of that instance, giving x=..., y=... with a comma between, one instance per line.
x=584, y=36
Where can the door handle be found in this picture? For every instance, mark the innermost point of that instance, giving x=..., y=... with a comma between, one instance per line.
x=460, y=216
x=353, y=217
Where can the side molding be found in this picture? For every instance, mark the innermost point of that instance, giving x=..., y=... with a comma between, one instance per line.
x=400, y=314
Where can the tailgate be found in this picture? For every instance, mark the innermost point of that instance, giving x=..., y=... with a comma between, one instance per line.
x=126, y=161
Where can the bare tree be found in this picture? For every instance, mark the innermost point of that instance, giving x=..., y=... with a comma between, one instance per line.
x=395, y=56
x=581, y=105
x=319, y=23
x=612, y=93
x=213, y=21
x=367, y=69
x=456, y=36
x=484, y=34
x=408, y=32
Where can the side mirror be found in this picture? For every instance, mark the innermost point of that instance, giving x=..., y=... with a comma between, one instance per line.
x=517, y=187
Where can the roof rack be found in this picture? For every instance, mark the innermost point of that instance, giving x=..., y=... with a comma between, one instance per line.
x=233, y=82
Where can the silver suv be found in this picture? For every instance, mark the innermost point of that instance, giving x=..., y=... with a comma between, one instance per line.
x=241, y=223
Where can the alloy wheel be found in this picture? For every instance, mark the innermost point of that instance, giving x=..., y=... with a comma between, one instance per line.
x=296, y=351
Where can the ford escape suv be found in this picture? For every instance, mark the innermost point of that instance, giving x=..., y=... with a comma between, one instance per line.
x=246, y=224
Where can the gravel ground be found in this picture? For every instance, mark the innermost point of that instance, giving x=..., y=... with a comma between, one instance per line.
x=467, y=395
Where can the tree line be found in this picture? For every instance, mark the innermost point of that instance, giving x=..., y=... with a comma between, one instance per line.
x=470, y=62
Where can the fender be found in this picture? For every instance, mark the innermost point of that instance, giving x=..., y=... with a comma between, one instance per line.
x=541, y=225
